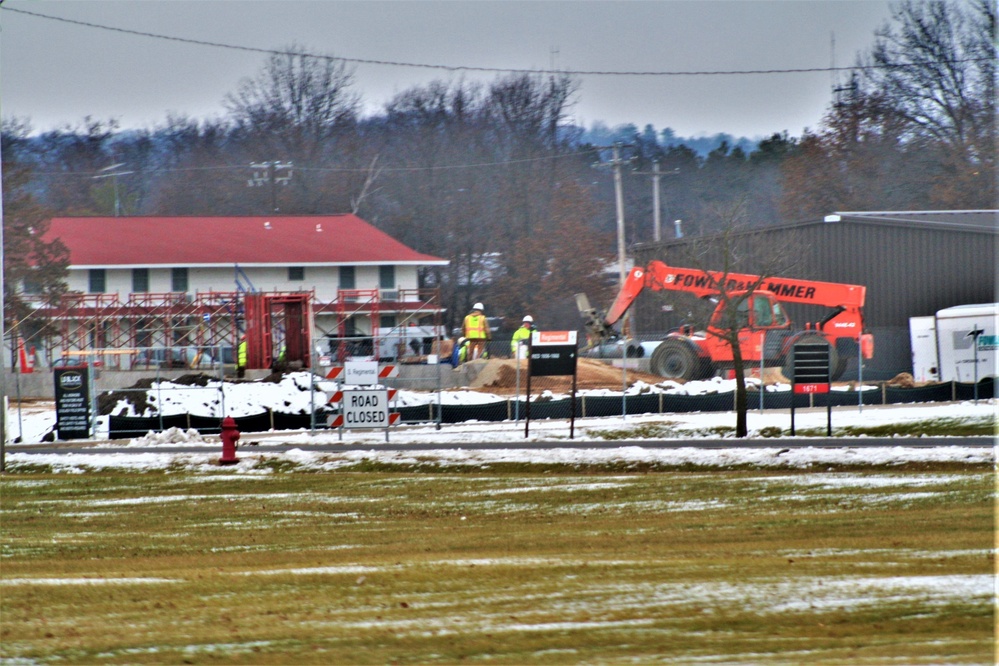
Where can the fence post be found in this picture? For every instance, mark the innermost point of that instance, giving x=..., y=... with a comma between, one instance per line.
x=159, y=398
x=763, y=354
x=440, y=410
x=218, y=355
x=312, y=392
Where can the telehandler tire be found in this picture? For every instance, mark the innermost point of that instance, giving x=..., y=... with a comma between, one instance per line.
x=676, y=359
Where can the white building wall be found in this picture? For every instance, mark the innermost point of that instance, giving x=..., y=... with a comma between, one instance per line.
x=324, y=279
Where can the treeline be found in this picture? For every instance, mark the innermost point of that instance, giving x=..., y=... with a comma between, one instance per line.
x=494, y=178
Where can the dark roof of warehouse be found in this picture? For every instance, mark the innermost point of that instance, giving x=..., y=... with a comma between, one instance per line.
x=975, y=221
x=967, y=220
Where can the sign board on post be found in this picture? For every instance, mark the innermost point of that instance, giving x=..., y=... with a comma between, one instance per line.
x=360, y=373
x=364, y=408
x=811, y=367
x=72, y=402
x=552, y=353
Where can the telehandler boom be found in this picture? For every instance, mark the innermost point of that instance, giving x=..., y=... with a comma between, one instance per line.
x=764, y=327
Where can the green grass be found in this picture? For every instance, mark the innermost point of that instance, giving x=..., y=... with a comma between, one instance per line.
x=498, y=566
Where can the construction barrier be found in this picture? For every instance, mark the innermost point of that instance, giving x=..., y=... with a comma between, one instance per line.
x=586, y=406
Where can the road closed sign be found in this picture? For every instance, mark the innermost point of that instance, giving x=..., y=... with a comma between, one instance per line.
x=366, y=409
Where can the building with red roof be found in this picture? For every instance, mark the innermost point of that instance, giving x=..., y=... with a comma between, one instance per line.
x=361, y=280
x=324, y=253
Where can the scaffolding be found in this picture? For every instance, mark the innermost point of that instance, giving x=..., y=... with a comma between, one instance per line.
x=408, y=306
x=121, y=331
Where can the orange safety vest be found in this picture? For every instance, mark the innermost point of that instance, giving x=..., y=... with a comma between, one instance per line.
x=475, y=327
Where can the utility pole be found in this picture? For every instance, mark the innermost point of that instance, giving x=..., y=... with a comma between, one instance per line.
x=265, y=173
x=616, y=163
x=113, y=172
x=656, y=207
x=619, y=201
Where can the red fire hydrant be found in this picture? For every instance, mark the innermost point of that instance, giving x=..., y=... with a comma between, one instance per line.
x=230, y=435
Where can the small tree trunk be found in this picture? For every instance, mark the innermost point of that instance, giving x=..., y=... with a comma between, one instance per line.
x=741, y=402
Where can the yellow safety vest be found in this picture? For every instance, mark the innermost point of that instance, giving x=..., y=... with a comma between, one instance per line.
x=522, y=333
x=475, y=327
x=241, y=354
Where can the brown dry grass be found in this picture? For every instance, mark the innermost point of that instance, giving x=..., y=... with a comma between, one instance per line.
x=510, y=568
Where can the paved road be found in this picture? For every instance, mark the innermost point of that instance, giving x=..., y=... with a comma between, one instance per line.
x=783, y=443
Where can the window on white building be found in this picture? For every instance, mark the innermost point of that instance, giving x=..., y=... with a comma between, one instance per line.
x=140, y=280
x=386, y=277
x=348, y=280
x=32, y=285
x=178, y=279
x=296, y=273
x=97, y=280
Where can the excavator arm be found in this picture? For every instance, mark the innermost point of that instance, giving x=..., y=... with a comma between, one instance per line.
x=600, y=327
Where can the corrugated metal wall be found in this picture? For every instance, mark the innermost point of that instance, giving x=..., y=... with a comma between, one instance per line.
x=909, y=270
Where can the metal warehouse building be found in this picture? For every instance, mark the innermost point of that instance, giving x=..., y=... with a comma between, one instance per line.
x=913, y=263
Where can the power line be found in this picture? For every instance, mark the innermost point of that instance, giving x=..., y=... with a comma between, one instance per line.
x=494, y=70
x=439, y=167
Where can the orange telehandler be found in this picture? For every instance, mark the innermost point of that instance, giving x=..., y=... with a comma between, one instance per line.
x=764, y=327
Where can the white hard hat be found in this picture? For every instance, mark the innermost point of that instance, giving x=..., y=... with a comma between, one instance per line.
x=478, y=306
x=529, y=319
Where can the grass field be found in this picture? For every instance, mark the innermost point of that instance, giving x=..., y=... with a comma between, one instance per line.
x=505, y=565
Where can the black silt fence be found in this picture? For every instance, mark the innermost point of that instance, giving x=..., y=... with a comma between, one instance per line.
x=121, y=427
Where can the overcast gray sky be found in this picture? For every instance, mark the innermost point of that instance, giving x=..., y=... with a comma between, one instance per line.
x=54, y=73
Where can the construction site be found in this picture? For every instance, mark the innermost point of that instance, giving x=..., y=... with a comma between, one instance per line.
x=201, y=330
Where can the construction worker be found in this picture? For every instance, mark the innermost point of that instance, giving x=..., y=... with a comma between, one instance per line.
x=460, y=352
x=475, y=329
x=522, y=338
x=241, y=354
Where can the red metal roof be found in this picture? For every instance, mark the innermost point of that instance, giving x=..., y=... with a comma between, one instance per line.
x=223, y=241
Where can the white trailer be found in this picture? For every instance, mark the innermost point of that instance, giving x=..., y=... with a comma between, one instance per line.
x=945, y=347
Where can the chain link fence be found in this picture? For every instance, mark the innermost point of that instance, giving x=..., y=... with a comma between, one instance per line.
x=431, y=389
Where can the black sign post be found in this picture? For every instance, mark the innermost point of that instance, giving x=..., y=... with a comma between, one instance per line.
x=72, y=402
x=552, y=353
x=973, y=334
x=810, y=365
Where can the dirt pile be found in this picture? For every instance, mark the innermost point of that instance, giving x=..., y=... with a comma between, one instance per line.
x=902, y=380
x=500, y=376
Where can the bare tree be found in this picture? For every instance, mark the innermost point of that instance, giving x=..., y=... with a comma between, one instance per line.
x=34, y=265
x=301, y=109
x=935, y=65
x=755, y=258
x=916, y=125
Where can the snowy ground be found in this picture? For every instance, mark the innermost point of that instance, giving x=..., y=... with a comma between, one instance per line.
x=294, y=394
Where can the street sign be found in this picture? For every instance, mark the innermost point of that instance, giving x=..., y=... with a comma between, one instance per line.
x=361, y=373
x=368, y=408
